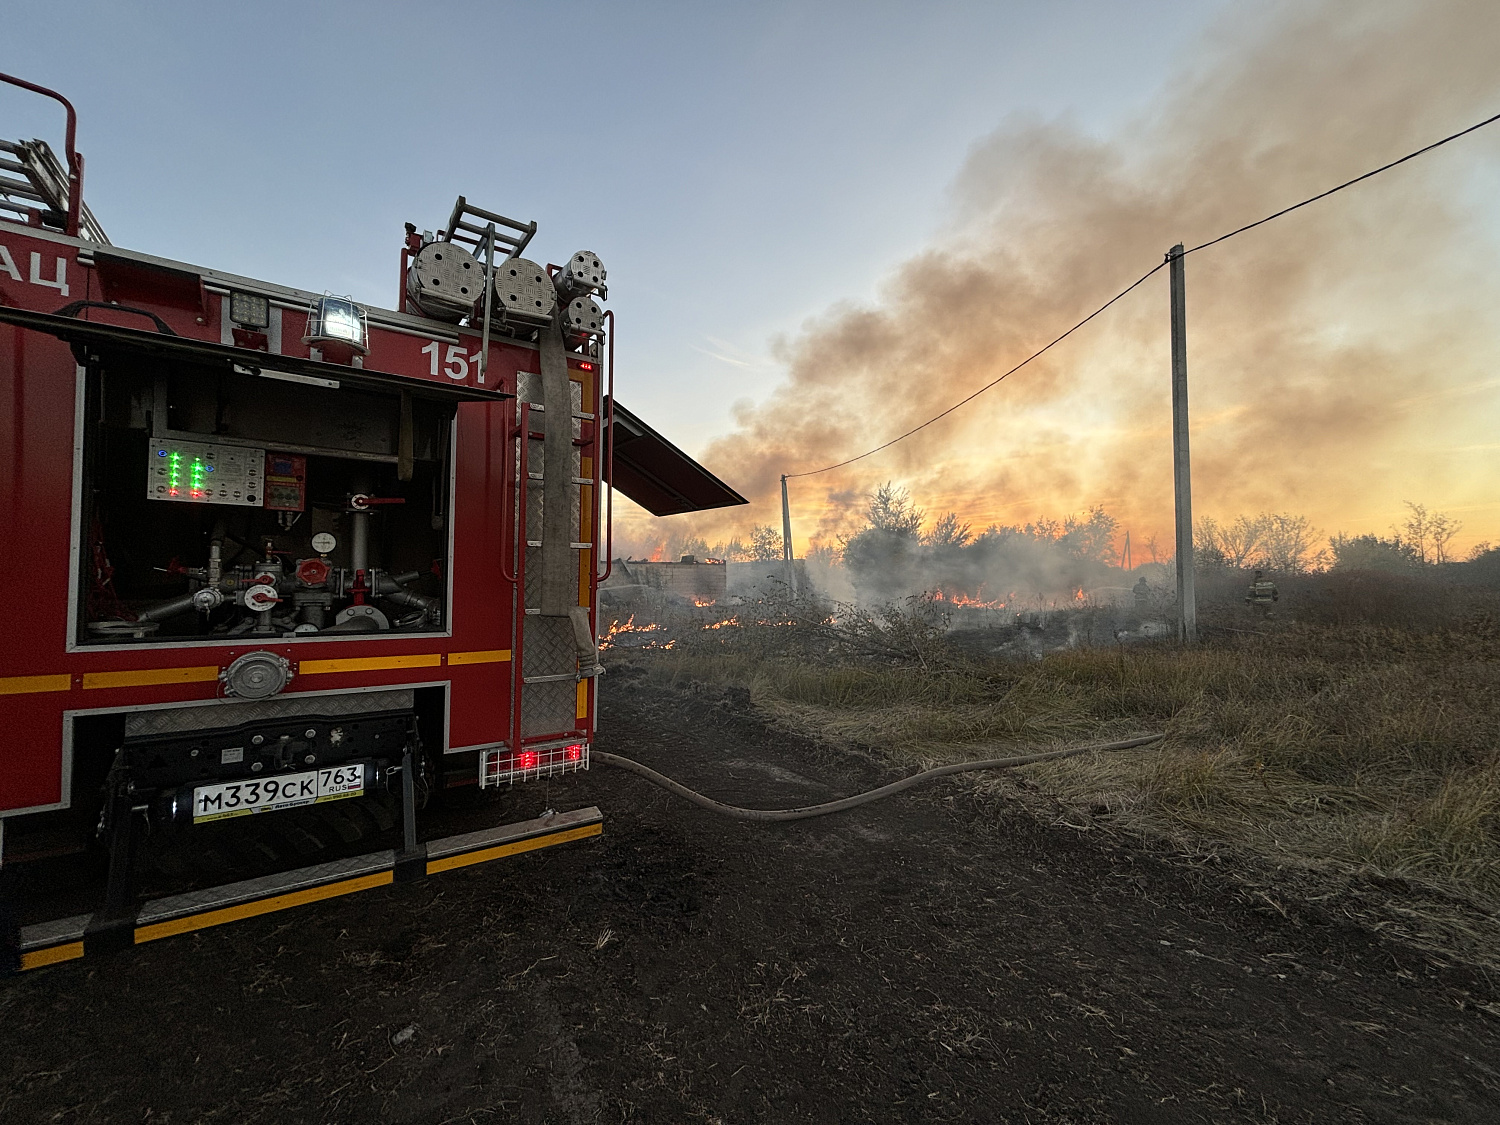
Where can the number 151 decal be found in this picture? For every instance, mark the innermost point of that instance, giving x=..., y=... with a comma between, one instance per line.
x=455, y=362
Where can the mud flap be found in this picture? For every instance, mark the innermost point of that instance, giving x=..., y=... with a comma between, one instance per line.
x=10, y=930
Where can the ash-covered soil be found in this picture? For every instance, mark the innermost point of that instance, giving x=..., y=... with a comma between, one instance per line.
x=929, y=958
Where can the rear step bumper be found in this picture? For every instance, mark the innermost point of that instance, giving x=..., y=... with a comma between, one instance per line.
x=64, y=940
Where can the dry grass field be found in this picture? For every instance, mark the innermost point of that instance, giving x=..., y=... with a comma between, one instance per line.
x=1355, y=735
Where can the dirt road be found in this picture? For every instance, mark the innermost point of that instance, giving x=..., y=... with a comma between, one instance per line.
x=933, y=958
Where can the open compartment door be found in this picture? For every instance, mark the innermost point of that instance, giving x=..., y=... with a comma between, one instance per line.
x=657, y=475
x=92, y=337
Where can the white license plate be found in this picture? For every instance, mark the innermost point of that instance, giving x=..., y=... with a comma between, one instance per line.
x=283, y=791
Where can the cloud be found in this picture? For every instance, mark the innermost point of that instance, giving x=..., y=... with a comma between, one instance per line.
x=720, y=356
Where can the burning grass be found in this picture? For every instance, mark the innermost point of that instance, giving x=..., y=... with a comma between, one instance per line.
x=1324, y=738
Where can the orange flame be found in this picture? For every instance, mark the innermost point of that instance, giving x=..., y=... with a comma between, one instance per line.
x=628, y=626
x=965, y=601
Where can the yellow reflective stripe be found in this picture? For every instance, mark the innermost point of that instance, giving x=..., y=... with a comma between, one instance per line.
x=585, y=564
x=448, y=863
x=21, y=685
x=489, y=656
x=262, y=906
x=51, y=956
x=143, y=676
x=369, y=663
x=582, y=710
x=157, y=930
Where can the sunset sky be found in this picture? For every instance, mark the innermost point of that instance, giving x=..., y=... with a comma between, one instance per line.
x=1342, y=360
x=826, y=222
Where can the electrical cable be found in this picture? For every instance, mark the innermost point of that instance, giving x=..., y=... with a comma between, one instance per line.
x=1142, y=278
x=987, y=386
x=1345, y=184
x=844, y=803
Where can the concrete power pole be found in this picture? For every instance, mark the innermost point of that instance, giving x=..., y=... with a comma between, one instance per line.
x=786, y=539
x=1182, y=470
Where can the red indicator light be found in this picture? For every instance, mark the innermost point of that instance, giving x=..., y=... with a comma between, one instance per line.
x=526, y=760
x=575, y=753
x=585, y=367
x=172, y=492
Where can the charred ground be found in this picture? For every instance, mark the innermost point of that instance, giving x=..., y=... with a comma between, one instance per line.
x=950, y=955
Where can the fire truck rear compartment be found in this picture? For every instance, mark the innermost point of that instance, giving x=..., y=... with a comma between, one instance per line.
x=257, y=569
x=239, y=481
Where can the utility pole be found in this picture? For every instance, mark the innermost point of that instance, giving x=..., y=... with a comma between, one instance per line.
x=1125, y=561
x=1182, y=470
x=786, y=539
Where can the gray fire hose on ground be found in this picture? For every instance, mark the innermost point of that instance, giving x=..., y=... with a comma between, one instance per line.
x=858, y=799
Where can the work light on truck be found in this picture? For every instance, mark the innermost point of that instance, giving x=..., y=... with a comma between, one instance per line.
x=249, y=310
x=337, y=320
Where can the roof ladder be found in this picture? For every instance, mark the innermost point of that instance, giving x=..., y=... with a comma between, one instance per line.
x=509, y=233
x=34, y=189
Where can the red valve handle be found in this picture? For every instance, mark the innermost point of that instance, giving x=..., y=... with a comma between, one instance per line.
x=313, y=572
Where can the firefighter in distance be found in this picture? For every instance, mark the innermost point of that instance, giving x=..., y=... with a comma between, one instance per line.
x=1262, y=594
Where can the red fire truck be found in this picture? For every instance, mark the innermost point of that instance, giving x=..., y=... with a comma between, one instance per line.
x=287, y=550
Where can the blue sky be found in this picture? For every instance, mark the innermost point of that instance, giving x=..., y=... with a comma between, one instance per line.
x=738, y=167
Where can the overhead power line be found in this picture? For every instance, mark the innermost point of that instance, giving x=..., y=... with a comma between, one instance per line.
x=1345, y=184
x=987, y=386
x=1137, y=282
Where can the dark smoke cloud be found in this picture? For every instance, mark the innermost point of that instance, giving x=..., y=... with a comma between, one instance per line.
x=1339, y=357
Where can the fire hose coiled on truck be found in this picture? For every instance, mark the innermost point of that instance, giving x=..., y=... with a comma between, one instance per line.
x=843, y=803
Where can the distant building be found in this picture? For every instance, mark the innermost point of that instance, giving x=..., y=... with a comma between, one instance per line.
x=695, y=580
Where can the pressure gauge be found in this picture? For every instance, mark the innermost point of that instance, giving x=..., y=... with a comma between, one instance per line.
x=322, y=542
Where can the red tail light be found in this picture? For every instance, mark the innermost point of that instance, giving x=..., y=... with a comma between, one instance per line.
x=503, y=765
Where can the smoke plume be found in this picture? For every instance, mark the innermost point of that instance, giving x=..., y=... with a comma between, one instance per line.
x=1341, y=359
